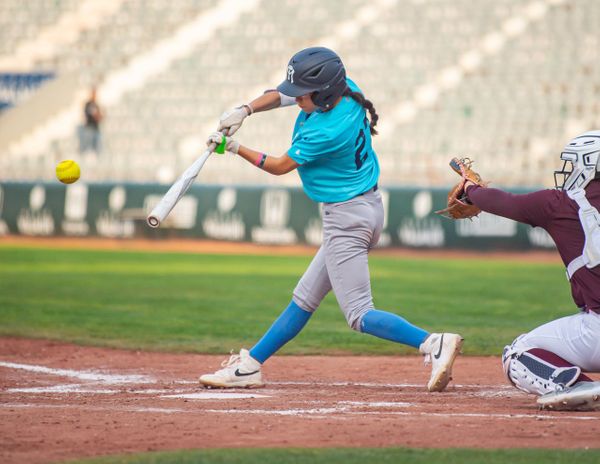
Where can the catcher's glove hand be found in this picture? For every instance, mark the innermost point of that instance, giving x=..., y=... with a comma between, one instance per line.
x=459, y=206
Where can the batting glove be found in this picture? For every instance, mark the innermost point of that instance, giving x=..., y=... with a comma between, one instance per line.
x=231, y=145
x=231, y=120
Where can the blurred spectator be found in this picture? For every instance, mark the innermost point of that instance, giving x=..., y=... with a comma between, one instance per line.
x=90, y=137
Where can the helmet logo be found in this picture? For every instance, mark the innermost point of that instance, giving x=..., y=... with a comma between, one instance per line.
x=290, y=74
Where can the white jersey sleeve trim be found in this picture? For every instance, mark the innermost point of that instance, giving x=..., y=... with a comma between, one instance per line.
x=575, y=265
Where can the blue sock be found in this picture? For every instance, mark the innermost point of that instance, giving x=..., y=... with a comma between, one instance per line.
x=286, y=326
x=392, y=327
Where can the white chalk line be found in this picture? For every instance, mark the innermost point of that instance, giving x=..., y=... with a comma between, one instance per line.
x=378, y=404
x=359, y=384
x=191, y=393
x=313, y=413
x=111, y=379
x=385, y=385
x=329, y=411
x=99, y=408
x=63, y=389
x=144, y=379
x=81, y=375
x=216, y=396
x=346, y=408
x=507, y=393
x=183, y=394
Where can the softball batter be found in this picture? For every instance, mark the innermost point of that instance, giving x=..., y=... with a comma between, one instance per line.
x=331, y=149
x=549, y=360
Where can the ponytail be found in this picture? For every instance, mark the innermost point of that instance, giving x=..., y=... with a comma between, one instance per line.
x=366, y=104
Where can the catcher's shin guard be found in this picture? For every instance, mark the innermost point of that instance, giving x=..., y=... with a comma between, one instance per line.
x=533, y=374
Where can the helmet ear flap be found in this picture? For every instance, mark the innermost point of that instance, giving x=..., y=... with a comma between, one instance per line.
x=314, y=97
x=327, y=97
x=323, y=100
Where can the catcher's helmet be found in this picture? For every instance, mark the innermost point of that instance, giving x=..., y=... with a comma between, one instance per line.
x=316, y=70
x=583, y=152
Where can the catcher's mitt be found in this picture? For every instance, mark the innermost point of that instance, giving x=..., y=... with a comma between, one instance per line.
x=459, y=206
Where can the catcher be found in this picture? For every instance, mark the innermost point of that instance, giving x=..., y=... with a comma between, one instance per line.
x=550, y=360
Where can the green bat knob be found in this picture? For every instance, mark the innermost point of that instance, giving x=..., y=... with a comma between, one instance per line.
x=220, y=149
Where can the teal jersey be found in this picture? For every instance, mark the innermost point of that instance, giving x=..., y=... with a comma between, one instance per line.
x=333, y=149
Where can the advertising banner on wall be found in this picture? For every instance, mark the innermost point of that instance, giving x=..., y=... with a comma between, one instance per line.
x=263, y=215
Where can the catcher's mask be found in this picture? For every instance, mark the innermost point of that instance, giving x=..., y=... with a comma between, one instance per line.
x=318, y=71
x=581, y=164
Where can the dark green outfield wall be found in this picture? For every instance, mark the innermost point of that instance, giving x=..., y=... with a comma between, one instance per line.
x=259, y=214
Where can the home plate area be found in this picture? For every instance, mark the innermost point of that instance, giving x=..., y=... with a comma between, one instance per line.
x=60, y=401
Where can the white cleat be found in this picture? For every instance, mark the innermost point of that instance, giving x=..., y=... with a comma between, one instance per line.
x=441, y=349
x=583, y=396
x=240, y=370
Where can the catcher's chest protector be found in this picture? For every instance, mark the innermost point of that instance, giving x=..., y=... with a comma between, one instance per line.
x=590, y=222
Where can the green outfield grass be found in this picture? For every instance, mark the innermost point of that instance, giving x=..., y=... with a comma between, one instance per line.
x=214, y=303
x=355, y=456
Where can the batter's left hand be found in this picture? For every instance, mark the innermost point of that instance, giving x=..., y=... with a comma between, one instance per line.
x=231, y=145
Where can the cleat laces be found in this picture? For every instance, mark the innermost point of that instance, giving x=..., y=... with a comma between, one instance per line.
x=233, y=360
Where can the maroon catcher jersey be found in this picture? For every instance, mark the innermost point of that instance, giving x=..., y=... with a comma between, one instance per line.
x=555, y=212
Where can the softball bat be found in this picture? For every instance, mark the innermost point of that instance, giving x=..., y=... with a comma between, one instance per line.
x=177, y=190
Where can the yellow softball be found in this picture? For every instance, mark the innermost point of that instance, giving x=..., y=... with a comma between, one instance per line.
x=67, y=171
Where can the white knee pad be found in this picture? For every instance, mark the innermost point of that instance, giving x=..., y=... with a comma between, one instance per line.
x=534, y=375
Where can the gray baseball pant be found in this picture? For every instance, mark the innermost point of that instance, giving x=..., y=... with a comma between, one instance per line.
x=350, y=229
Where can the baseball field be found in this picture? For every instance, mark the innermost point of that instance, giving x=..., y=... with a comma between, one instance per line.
x=101, y=346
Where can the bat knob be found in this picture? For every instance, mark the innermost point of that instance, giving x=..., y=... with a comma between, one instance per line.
x=152, y=221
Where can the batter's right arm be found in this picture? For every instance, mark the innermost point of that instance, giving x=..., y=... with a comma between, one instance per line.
x=269, y=100
x=232, y=119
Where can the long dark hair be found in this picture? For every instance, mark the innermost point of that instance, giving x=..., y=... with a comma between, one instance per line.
x=366, y=104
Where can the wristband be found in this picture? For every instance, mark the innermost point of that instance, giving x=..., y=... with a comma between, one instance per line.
x=250, y=110
x=260, y=162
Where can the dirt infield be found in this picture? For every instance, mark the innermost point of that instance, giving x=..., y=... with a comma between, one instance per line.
x=60, y=401
x=222, y=247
